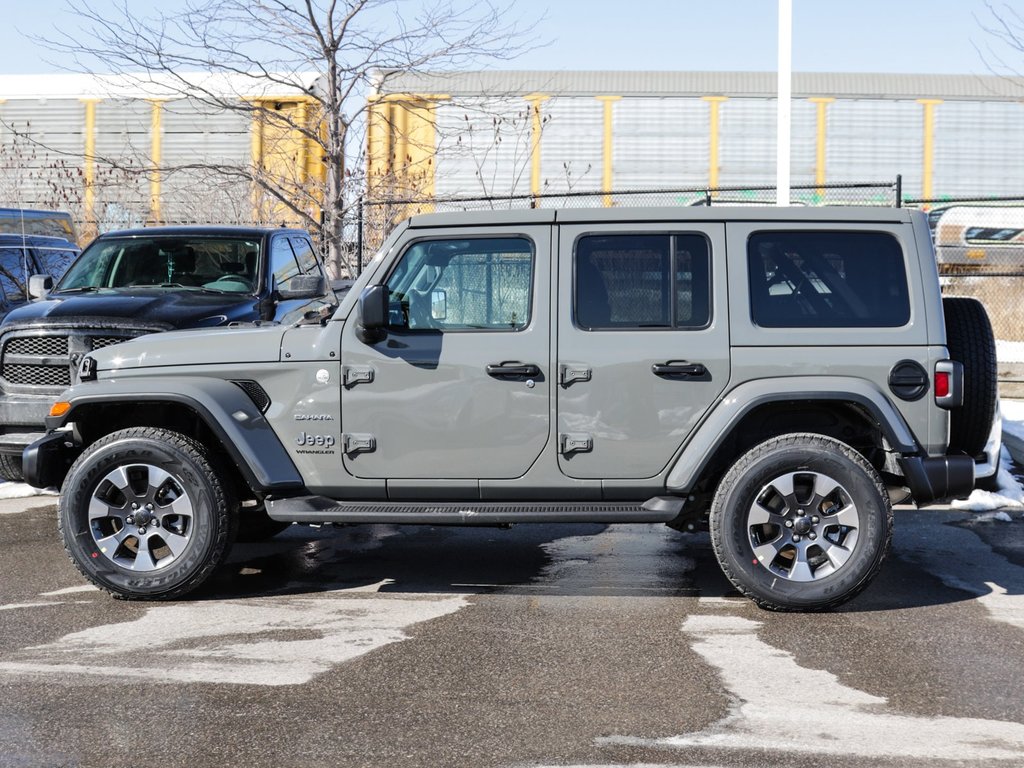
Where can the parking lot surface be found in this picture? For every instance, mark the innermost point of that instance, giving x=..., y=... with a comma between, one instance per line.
x=542, y=645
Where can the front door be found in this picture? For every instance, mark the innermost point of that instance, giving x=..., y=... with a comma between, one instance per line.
x=459, y=388
x=643, y=343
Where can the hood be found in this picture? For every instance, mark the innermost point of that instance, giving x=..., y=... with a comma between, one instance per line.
x=145, y=307
x=217, y=346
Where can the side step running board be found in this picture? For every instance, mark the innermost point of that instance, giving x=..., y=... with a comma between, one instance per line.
x=320, y=509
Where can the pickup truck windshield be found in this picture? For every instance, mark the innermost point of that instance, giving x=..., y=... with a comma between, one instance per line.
x=215, y=263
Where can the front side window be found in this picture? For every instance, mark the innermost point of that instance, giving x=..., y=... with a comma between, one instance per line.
x=827, y=279
x=642, y=281
x=12, y=273
x=282, y=261
x=463, y=284
x=304, y=255
x=54, y=261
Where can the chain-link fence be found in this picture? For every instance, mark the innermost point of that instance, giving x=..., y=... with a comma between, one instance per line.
x=979, y=245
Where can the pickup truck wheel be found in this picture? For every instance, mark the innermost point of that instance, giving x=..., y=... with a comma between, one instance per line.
x=970, y=340
x=801, y=522
x=143, y=514
x=10, y=467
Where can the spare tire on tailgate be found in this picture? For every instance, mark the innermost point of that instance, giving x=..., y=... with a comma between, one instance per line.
x=970, y=341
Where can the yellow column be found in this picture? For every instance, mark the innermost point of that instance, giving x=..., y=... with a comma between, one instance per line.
x=820, y=145
x=536, y=124
x=301, y=119
x=928, y=160
x=156, y=143
x=606, y=153
x=89, y=167
x=256, y=159
x=714, y=102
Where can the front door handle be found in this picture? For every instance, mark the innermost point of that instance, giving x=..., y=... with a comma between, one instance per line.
x=510, y=369
x=680, y=368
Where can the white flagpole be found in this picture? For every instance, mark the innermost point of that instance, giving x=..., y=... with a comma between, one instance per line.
x=785, y=97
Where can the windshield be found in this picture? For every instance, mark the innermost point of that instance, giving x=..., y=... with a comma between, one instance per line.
x=214, y=263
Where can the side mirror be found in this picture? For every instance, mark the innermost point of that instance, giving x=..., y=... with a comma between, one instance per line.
x=303, y=287
x=39, y=286
x=373, y=314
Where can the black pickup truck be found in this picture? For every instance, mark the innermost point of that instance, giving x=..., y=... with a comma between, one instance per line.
x=133, y=282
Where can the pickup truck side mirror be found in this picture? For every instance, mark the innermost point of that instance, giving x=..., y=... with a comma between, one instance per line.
x=39, y=286
x=303, y=287
x=373, y=314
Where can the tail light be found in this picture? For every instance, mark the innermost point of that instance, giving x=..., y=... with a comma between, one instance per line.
x=949, y=384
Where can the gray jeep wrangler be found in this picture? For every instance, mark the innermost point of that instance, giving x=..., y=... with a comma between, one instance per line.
x=772, y=374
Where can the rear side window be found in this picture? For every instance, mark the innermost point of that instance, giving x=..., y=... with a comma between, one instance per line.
x=642, y=281
x=827, y=280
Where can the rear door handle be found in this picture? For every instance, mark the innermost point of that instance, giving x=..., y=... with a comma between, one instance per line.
x=510, y=369
x=681, y=368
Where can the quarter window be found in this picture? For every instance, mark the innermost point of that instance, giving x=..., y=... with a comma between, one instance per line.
x=461, y=285
x=827, y=279
x=642, y=281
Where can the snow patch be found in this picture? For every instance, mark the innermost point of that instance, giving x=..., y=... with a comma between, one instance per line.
x=1009, y=351
x=11, y=490
x=1009, y=493
x=260, y=641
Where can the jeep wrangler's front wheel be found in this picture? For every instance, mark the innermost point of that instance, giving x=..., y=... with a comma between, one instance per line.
x=143, y=514
x=802, y=522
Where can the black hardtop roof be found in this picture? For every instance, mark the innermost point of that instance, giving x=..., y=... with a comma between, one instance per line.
x=201, y=230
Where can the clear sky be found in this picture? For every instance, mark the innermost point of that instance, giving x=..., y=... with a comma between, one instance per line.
x=910, y=36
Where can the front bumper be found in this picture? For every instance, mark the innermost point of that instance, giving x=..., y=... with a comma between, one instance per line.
x=45, y=463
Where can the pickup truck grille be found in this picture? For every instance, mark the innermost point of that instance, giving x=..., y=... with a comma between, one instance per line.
x=34, y=360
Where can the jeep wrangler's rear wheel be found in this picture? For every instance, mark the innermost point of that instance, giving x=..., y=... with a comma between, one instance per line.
x=801, y=522
x=970, y=340
x=10, y=467
x=143, y=514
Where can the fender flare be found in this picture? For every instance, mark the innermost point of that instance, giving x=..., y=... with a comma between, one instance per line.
x=738, y=402
x=223, y=406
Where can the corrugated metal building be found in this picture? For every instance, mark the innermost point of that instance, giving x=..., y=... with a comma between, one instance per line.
x=947, y=135
x=119, y=152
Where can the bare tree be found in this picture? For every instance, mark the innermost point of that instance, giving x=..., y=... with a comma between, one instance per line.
x=243, y=48
x=1003, y=23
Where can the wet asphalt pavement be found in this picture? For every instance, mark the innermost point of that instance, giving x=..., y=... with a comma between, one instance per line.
x=541, y=645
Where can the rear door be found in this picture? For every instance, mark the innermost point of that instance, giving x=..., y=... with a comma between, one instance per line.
x=643, y=343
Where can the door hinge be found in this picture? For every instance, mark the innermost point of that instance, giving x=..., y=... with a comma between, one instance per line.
x=567, y=374
x=575, y=442
x=357, y=443
x=357, y=374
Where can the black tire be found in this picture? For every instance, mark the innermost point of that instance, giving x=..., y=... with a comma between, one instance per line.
x=970, y=341
x=10, y=467
x=781, y=551
x=179, y=530
x=255, y=525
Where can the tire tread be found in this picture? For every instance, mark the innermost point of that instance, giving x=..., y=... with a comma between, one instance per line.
x=717, y=523
x=223, y=505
